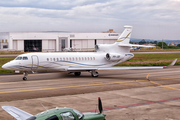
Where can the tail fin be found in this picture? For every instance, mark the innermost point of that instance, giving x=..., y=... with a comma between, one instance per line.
x=125, y=36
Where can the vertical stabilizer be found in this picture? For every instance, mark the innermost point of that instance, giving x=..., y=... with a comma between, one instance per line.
x=125, y=36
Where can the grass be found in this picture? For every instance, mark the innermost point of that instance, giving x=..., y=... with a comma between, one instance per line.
x=155, y=57
x=4, y=60
x=10, y=52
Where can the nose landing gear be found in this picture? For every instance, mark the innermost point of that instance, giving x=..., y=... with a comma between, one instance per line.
x=25, y=75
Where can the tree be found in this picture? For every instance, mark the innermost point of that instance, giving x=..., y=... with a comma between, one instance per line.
x=160, y=45
x=178, y=45
x=142, y=42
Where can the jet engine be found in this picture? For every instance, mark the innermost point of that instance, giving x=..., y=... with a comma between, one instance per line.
x=113, y=56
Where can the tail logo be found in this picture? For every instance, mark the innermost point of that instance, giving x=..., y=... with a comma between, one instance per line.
x=123, y=38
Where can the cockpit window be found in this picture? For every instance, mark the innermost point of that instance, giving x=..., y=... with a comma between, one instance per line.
x=79, y=114
x=18, y=58
x=25, y=58
x=67, y=116
x=31, y=118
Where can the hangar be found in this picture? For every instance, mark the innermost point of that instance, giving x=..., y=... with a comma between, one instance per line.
x=54, y=41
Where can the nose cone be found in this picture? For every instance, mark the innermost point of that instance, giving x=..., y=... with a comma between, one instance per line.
x=4, y=66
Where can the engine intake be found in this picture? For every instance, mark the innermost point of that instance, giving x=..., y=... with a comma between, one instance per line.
x=113, y=56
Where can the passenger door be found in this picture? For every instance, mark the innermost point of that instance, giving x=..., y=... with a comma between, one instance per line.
x=35, y=62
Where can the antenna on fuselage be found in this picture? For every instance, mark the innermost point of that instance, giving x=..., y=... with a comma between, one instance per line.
x=43, y=106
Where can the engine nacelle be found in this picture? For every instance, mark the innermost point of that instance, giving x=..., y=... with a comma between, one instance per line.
x=114, y=56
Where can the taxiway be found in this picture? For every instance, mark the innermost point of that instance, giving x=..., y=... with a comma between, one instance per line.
x=127, y=94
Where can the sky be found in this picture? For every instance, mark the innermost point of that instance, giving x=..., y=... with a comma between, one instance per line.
x=151, y=19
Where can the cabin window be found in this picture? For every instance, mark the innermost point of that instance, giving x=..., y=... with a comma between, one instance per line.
x=67, y=116
x=82, y=58
x=79, y=58
x=47, y=59
x=88, y=58
x=25, y=58
x=64, y=59
x=60, y=59
x=51, y=59
x=93, y=58
x=85, y=58
x=57, y=59
x=76, y=58
x=54, y=59
x=73, y=59
x=67, y=59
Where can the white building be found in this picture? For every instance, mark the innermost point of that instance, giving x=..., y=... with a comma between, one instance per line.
x=54, y=41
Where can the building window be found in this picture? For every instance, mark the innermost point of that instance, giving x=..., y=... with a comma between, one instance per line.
x=70, y=43
x=5, y=46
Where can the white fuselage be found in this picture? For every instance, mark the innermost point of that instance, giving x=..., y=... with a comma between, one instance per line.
x=61, y=61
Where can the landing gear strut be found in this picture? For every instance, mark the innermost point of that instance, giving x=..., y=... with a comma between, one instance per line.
x=94, y=74
x=25, y=74
x=77, y=73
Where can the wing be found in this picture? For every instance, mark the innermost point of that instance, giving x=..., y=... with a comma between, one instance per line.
x=17, y=113
x=118, y=68
x=134, y=45
x=110, y=68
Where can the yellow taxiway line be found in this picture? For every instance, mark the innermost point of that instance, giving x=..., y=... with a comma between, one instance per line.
x=95, y=84
x=163, y=86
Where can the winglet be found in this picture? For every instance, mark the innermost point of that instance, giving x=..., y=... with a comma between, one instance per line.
x=172, y=64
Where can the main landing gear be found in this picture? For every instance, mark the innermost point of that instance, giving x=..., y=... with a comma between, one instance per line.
x=25, y=75
x=93, y=73
x=77, y=73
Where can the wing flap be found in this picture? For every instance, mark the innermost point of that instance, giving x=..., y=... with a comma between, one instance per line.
x=17, y=113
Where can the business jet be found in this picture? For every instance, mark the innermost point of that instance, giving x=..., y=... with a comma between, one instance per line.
x=105, y=58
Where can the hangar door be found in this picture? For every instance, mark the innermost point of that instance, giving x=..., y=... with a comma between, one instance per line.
x=32, y=45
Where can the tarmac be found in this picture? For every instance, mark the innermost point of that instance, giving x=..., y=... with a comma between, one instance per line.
x=125, y=94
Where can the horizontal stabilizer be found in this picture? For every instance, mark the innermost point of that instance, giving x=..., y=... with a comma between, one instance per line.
x=17, y=113
x=134, y=45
